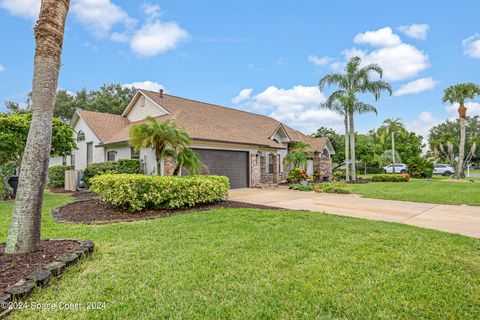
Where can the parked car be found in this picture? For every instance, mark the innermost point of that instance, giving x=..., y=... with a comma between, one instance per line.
x=443, y=169
x=399, y=168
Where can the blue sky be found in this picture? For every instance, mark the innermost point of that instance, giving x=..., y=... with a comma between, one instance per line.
x=272, y=52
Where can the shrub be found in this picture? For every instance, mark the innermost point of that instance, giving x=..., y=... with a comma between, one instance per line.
x=332, y=188
x=301, y=187
x=420, y=168
x=135, y=192
x=391, y=178
x=128, y=166
x=340, y=175
x=131, y=166
x=56, y=176
x=297, y=174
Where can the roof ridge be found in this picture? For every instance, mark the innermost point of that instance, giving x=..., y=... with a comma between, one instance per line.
x=213, y=105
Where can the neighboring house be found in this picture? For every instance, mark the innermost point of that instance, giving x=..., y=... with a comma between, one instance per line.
x=247, y=147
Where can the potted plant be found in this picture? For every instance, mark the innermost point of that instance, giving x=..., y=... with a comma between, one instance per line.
x=298, y=175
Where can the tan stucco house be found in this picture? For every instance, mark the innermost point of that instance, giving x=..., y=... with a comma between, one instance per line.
x=247, y=147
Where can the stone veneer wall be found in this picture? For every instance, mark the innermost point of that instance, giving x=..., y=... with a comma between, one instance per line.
x=168, y=167
x=259, y=171
x=323, y=165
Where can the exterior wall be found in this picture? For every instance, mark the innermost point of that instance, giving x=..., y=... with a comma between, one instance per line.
x=123, y=151
x=310, y=167
x=323, y=165
x=144, y=107
x=56, y=161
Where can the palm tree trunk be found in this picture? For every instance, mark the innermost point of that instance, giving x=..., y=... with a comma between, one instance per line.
x=347, y=145
x=393, y=150
x=24, y=234
x=352, y=147
x=461, y=153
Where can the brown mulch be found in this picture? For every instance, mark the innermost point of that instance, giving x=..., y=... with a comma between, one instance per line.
x=94, y=211
x=15, y=267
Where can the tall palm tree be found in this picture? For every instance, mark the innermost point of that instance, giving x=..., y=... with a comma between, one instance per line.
x=458, y=94
x=188, y=159
x=165, y=138
x=353, y=81
x=393, y=125
x=24, y=234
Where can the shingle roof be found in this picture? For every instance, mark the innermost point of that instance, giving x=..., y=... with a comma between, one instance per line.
x=104, y=125
x=203, y=121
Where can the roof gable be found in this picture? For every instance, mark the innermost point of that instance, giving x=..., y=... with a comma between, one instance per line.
x=142, y=106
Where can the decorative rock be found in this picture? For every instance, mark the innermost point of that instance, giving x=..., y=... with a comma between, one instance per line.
x=69, y=259
x=81, y=252
x=41, y=277
x=4, y=298
x=87, y=244
x=56, y=267
x=21, y=289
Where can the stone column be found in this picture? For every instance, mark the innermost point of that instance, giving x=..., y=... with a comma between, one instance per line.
x=326, y=168
x=263, y=168
x=255, y=169
x=276, y=169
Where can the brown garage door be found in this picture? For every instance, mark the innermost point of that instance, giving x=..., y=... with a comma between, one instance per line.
x=233, y=164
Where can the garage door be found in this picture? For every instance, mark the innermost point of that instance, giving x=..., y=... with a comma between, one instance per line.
x=233, y=164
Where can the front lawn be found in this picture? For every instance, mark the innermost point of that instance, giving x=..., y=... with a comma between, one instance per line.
x=247, y=264
x=439, y=190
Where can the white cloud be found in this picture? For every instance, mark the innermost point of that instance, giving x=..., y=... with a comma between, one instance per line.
x=473, y=109
x=2, y=68
x=146, y=85
x=416, y=31
x=383, y=37
x=119, y=37
x=471, y=46
x=100, y=16
x=242, y=96
x=422, y=125
x=27, y=9
x=151, y=10
x=298, y=107
x=319, y=61
x=416, y=86
x=157, y=37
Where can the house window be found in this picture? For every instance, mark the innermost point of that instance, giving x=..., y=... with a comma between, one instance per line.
x=270, y=163
x=72, y=160
x=111, y=155
x=64, y=160
x=134, y=155
x=89, y=152
x=325, y=153
x=80, y=136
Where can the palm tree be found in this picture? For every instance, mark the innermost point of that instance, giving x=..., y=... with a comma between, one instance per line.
x=349, y=84
x=393, y=125
x=24, y=234
x=165, y=138
x=188, y=159
x=458, y=94
x=297, y=155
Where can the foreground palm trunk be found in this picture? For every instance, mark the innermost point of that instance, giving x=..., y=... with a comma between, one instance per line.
x=24, y=234
x=462, y=111
x=347, y=145
x=352, y=148
x=393, y=150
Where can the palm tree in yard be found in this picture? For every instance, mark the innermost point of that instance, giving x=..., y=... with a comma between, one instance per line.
x=458, y=94
x=297, y=155
x=355, y=80
x=393, y=125
x=164, y=138
x=188, y=159
x=24, y=234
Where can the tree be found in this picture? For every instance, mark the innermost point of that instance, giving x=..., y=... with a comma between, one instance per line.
x=353, y=81
x=297, y=155
x=13, y=138
x=165, y=138
x=24, y=234
x=393, y=125
x=15, y=108
x=188, y=159
x=458, y=94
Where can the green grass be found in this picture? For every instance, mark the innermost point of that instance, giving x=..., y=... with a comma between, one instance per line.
x=438, y=190
x=249, y=264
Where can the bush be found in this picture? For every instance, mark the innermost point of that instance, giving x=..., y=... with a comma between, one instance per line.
x=332, y=188
x=131, y=166
x=340, y=175
x=135, y=192
x=56, y=176
x=301, y=187
x=297, y=174
x=420, y=168
x=391, y=178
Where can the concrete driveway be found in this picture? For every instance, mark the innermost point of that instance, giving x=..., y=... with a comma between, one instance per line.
x=455, y=219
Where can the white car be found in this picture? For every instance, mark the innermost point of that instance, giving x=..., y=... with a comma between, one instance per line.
x=399, y=168
x=443, y=169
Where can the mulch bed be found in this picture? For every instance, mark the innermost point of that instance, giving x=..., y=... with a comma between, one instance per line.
x=360, y=180
x=92, y=210
x=14, y=268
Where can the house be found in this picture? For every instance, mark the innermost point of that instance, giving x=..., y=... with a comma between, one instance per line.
x=247, y=147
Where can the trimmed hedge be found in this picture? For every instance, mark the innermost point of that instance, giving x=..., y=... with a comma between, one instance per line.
x=391, y=178
x=56, y=176
x=135, y=192
x=131, y=166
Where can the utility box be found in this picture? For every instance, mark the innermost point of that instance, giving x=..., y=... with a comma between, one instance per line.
x=71, y=180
